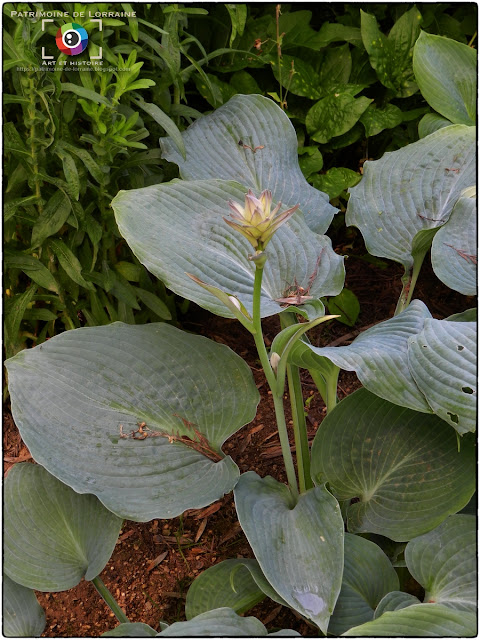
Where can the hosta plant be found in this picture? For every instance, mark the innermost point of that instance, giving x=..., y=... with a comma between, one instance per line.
x=136, y=416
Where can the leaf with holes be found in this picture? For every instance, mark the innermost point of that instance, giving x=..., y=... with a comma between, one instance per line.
x=454, y=248
x=299, y=546
x=71, y=395
x=411, y=190
x=266, y=158
x=154, y=219
x=74, y=534
x=442, y=360
x=378, y=356
x=444, y=562
x=402, y=467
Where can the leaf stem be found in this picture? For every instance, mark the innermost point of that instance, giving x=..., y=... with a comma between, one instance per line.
x=298, y=417
x=327, y=386
x=109, y=599
x=409, y=281
x=272, y=382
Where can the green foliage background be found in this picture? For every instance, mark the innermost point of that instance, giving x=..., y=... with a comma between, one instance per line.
x=342, y=72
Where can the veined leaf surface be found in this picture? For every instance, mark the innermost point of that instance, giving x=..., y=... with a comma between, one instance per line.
x=412, y=189
x=23, y=617
x=71, y=394
x=155, y=220
x=214, y=151
x=403, y=466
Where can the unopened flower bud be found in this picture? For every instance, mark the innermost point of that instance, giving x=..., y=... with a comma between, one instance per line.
x=256, y=221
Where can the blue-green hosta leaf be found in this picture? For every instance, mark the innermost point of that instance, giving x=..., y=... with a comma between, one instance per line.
x=23, y=617
x=222, y=622
x=442, y=359
x=446, y=73
x=403, y=466
x=394, y=601
x=226, y=584
x=420, y=620
x=299, y=547
x=179, y=228
x=131, y=630
x=412, y=189
x=53, y=537
x=378, y=356
x=430, y=123
x=454, y=248
x=71, y=394
x=367, y=576
x=213, y=151
x=444, y=562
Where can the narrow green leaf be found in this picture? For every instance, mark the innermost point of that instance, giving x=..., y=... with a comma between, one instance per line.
x=154, y=303
x=85, y=93
x=14, y=312
x=164, y=121
x=69, y=262
x=53, y=217
x=33, y=268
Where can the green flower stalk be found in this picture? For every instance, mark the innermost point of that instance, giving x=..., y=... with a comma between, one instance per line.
x=255, y=220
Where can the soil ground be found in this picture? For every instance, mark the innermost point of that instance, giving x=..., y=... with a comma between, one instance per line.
x=154, y=563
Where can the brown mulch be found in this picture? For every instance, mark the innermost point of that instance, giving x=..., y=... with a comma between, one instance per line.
x=154, y=563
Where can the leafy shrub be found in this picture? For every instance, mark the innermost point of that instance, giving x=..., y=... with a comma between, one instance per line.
x=393, y=463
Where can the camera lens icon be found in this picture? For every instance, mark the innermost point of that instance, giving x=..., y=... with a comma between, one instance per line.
x=71, y=39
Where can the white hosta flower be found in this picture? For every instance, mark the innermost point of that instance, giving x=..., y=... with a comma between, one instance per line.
x=256, y=221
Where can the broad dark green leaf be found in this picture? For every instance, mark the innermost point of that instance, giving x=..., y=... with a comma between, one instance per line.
x=391, y=56
x=336, y=180
x=446, y=73
x=403, y=466
x=299, y=546
x=72, y=394
x=367, y=576
x=23, y=617
x=334, y=115
x=213, y=151
x=53, y=537
x=376, y=120
x=345, y=304
x=444, y=562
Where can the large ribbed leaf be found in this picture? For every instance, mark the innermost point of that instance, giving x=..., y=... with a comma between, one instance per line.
x=223, y=622
x=299, y=547
x=402, y=466
x=71, y=394
x=412, y=189
x=420, y=620
x=23, y=617
x=378, y=356
x=131, y=630
x=218, y=147
x=53, y=537
x=395, y=600
x=442, y=359
x=227, y=584
x=454, y=248
x=446, y=73
x=178, y=228
x=444, y=562
x=367, y=576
